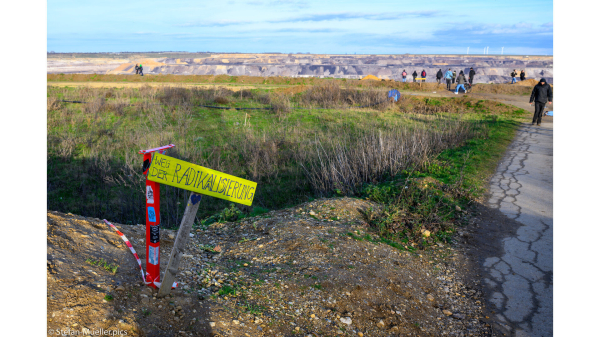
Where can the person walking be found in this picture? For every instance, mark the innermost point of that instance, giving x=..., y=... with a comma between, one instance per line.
x=541, y=94
x=439, y=76
x=141, y=70
x=513, y=75
x=522, y=75
x=404, y=75
x=461, y=82
x=423, y=75
x=414, y=75
x=453, y=76
x=471, y=76
x=448, y=77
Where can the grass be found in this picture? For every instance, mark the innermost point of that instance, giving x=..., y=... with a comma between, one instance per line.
x=283, y=83
x=294, y=155
x=422, y=207
x=110, y=267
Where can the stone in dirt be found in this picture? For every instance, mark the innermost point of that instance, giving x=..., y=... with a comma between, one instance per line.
x=447, y=313
x=346, y=320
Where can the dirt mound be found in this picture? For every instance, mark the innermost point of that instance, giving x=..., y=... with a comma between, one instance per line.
x=529, y=82
x=149, y=63
x=123, y=66
x=310, y=269
x=370, y=78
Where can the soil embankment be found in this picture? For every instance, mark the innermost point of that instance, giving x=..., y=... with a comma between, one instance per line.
x=291, y=271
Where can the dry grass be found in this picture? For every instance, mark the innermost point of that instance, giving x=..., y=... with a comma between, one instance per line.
x=94, y=168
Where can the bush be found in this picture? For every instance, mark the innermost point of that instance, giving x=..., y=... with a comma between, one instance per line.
x=414, y=210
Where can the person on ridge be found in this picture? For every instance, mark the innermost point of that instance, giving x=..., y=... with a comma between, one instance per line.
x=404, y=75
x=141, y=70
x=522, y=75
x=137, y=69
x=423, y=75
x=453, y=76
x=414, y=75
x=513, y=75
x=460, y=82
x=541, y=94
x=448, y=77
x=439, y=76
x=471, y=76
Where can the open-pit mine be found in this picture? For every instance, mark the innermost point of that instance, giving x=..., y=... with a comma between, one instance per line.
x=488, y=68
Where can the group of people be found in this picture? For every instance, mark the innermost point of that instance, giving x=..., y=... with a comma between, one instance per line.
x=139, y=69
x=515, y=73
x=541, y=94
x=450, y=77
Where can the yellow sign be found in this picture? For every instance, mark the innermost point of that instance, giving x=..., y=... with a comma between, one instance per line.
x=178, y=173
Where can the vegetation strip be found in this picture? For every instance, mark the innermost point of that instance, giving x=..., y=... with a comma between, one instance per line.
x=289, y=152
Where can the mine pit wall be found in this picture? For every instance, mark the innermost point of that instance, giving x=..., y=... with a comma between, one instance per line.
x=489, y=69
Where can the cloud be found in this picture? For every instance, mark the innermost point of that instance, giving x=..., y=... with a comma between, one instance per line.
x=548, y=24
x=319, y=18
x=292, y=3
x=357, y=15
x=218, y=23
x=519, y=34
x=308, y=30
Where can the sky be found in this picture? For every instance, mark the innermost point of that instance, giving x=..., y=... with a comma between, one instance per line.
x=521, y=27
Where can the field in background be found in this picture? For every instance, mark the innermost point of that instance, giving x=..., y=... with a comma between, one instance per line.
x=274, y=82
x=294, y=153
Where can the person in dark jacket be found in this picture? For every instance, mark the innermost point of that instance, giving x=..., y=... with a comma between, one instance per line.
x=513, y=75
x=453, y=76
x=471, y=76
x=141, y=70
x=522, y=75
x=415, y=76
x=423, y=75
x=461, y=80
x=137, y=69
x=439, y=76
x=541, y=94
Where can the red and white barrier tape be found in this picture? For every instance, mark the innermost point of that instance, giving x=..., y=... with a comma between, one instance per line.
x=157, y=284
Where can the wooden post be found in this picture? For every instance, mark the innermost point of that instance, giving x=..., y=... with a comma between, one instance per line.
x=183, y=235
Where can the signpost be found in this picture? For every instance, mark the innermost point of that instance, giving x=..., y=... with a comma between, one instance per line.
x=152, y=219
x=200, y=180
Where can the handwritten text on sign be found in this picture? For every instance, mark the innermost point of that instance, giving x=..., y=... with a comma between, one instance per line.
x=178, y=173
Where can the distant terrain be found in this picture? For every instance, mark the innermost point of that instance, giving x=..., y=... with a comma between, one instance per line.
x=489, y=68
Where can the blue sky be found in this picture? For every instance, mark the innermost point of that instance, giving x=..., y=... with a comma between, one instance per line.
x=291, y=26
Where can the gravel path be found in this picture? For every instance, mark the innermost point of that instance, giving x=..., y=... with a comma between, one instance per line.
x=520, y=278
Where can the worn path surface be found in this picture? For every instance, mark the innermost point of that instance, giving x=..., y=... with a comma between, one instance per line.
x=520, y=277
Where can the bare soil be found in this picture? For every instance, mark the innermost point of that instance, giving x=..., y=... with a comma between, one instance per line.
x=287, y=272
